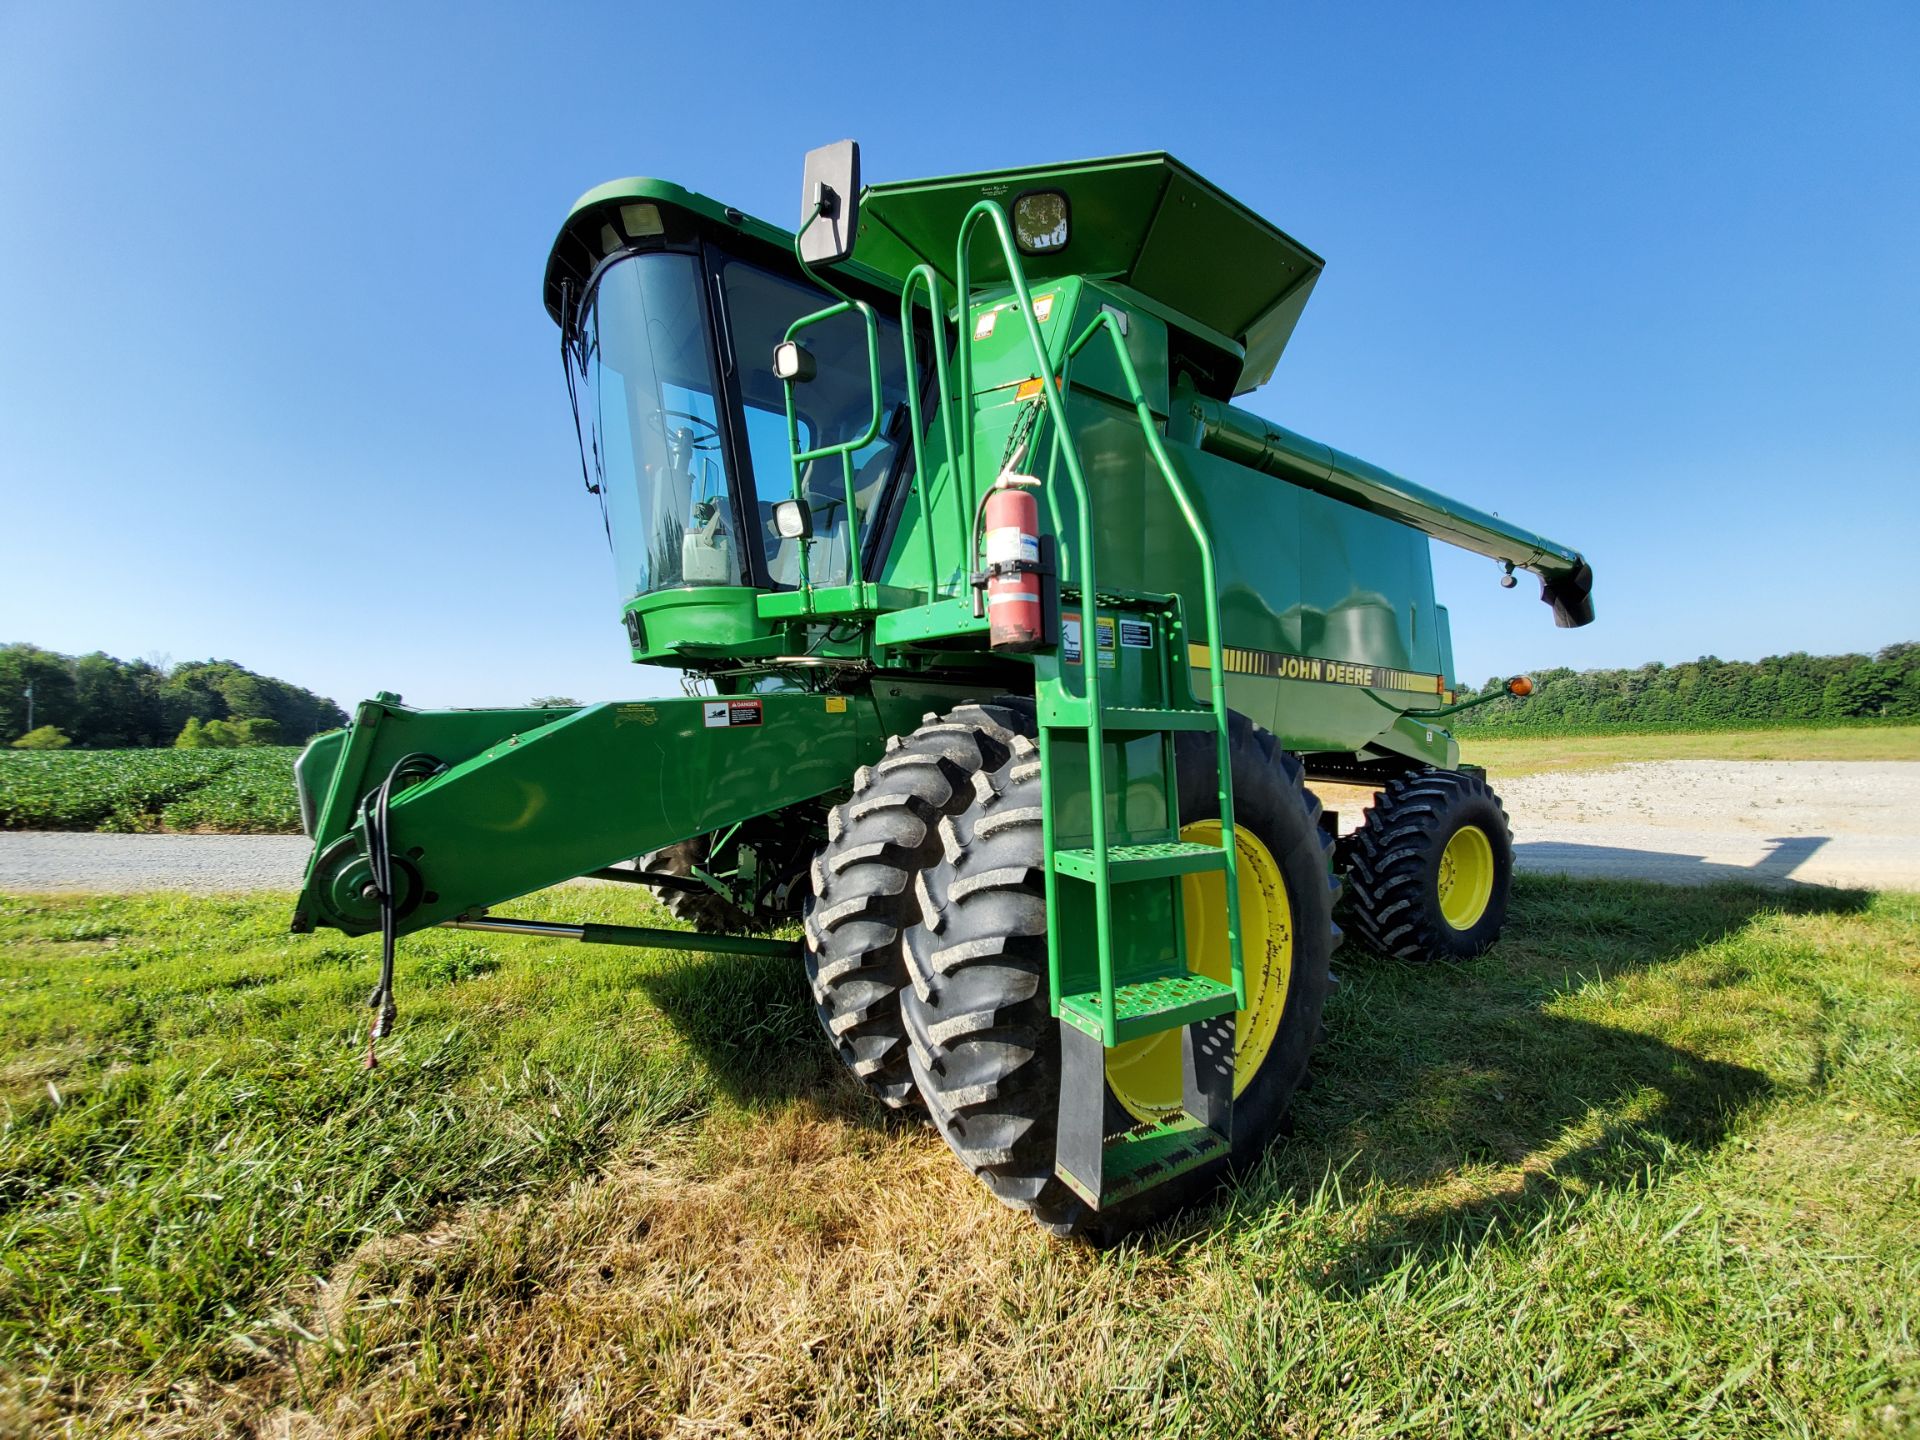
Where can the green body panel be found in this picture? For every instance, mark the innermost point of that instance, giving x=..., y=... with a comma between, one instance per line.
x=544, y=799
x=670, y=625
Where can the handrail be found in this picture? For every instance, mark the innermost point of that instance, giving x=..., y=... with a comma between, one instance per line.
x=922, y=481
x=1216, y=667
x=846, y=448
x=1089, y=630
x=1055, y=402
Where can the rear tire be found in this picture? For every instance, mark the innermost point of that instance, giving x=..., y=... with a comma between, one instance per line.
x=878, y=842
x=1432, y=867
x=984, y=1049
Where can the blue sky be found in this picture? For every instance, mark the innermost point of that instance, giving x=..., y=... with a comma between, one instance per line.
x=276, y=386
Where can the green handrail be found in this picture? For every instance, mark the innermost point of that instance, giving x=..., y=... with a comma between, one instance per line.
x=1089, y=605
x=1055, y=402
x=1216, y=659
x=797, y=456
x=922, y=480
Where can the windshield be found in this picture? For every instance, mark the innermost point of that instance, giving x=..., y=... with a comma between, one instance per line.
x=650, y=427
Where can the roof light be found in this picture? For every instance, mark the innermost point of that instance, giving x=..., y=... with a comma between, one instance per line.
x=641, y=220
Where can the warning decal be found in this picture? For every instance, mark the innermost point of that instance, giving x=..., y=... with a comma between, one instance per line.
x=729, y=714
x=1136, y=634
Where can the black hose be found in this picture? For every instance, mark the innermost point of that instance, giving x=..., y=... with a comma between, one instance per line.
x=373, y=820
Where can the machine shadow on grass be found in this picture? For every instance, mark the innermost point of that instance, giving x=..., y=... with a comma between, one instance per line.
x=1460, y=1079
x=1429, y=1074
x=750, y=1019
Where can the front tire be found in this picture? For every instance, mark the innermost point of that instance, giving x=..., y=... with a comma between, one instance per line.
x=878, y=842
x=984, y=1048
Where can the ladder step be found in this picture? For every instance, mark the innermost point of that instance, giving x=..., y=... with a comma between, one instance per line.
x=1131, y=717
x=1148, y=1155
x=1153, y=861
x=1147, y=1007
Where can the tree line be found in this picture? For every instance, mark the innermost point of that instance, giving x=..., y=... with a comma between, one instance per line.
x=1710, y=693
x=100, y=703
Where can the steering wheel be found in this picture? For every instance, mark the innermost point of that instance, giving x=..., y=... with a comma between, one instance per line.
x=706, y=438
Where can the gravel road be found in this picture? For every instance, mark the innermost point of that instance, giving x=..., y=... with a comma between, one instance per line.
x=1780, y=822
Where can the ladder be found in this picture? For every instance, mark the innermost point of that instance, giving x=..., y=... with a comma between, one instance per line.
x=1124, y=975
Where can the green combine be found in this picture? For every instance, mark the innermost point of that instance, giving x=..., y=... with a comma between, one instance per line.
x=1011, y=645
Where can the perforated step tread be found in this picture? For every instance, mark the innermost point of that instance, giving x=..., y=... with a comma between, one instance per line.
x=1149, y=1155
x=1152, y=861
x=1147, y=1007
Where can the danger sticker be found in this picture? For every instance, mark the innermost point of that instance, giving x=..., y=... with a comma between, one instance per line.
x=728, y=714
x=983, y=327
x=1070, y=641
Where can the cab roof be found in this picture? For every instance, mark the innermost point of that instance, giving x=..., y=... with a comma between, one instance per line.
x=1144, y=221
x=1147, y=222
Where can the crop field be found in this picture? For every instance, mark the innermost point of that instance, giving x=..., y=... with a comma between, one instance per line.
x=1536, y=754
x=251, y=791
x=247, y=791
x=1650, y=1168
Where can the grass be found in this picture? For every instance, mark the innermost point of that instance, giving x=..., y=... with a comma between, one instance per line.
x=237, y=791
x=1536, y=754
x=1652, y=1167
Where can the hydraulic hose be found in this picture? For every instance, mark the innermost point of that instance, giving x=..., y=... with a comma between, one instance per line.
x=374, y=818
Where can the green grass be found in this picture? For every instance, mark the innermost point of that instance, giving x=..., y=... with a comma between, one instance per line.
x=1652, y=1167
x=243, y=791
x=1534, y=754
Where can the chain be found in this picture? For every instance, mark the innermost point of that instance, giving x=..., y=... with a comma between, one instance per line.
x=1022, y=431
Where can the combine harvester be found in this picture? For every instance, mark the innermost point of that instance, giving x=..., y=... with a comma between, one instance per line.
x=1018, y=643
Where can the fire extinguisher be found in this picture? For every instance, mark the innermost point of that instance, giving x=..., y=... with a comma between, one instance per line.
x=1012, y=577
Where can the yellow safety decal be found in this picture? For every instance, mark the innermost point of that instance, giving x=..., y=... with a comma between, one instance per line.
x=836, y=704
x=1272, y=665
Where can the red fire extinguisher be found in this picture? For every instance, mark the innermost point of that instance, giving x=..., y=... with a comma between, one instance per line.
x=1012, y=521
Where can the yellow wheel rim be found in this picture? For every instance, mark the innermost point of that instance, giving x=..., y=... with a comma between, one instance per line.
x=1144, y=1074
x=1466, y=877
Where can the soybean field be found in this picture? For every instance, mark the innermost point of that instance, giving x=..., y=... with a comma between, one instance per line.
x=247, y=791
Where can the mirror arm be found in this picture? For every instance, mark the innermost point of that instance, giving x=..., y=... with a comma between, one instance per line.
x=810, y=272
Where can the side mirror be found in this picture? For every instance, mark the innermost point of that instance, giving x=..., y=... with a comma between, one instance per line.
x=792, y=520
x=830, y=203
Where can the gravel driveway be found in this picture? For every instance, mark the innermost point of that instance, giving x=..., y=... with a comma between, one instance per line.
x=1782, y=822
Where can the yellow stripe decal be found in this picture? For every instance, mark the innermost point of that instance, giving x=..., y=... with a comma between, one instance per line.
x=1272, y=665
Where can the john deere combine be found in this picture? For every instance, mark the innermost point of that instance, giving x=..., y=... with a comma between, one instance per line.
x=1015, y=643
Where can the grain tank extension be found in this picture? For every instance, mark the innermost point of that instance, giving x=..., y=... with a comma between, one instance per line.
x=1016, y=642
